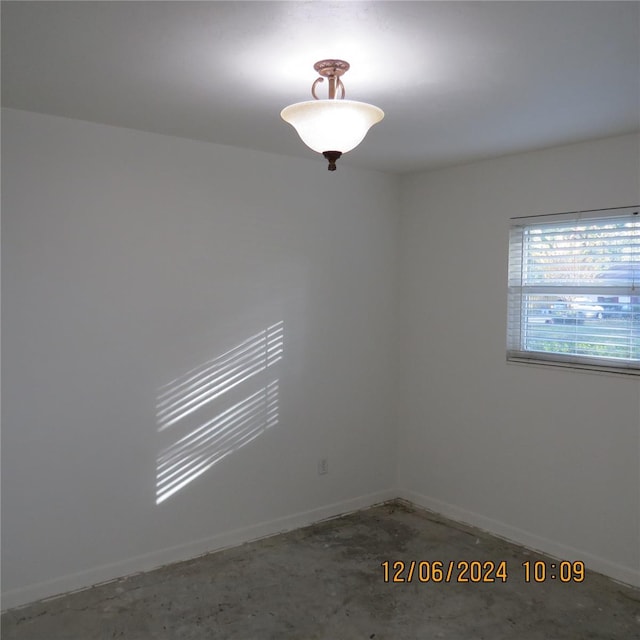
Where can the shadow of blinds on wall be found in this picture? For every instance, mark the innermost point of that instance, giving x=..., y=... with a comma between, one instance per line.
x=217, y=408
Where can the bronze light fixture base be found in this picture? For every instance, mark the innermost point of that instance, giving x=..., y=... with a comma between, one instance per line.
x=331, y=69
x=332, y=156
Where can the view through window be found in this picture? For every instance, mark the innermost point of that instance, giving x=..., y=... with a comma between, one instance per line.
x=574, y=294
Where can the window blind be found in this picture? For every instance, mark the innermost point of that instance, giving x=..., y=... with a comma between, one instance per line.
x=574, y=289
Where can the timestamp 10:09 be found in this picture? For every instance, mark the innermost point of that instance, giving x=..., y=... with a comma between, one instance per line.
x=563, y=571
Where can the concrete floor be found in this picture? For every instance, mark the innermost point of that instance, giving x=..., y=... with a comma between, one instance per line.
x=326, y=582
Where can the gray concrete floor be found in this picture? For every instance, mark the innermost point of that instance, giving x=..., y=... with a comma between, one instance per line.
x=326, y=582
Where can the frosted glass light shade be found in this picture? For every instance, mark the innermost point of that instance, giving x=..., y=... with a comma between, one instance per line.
x=332, y=125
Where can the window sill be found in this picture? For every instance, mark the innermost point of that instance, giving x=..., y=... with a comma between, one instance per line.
x=576, y=366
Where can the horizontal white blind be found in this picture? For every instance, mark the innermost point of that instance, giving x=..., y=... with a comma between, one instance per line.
x=574, y=289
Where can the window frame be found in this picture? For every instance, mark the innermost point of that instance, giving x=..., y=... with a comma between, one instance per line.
x=518, y=318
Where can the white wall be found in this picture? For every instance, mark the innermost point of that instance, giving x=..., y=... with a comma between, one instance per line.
x=548, y=457
x=131, y=258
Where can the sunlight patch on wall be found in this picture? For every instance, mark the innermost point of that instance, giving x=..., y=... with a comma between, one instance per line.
x=216, y=377
x=239, y=388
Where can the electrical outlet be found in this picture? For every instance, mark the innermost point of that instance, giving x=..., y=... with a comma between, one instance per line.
x=323, y=466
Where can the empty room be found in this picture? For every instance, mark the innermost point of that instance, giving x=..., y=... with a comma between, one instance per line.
x=320, y=320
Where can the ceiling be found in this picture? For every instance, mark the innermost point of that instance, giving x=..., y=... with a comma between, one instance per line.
x=458, y=81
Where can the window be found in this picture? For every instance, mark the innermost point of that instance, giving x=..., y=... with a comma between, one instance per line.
x=574, y=290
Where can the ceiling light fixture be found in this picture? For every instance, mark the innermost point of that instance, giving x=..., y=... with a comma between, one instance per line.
x=333, y=126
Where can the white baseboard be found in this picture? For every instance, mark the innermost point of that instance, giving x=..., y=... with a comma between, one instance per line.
x=155, y=559
x=525, y=538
